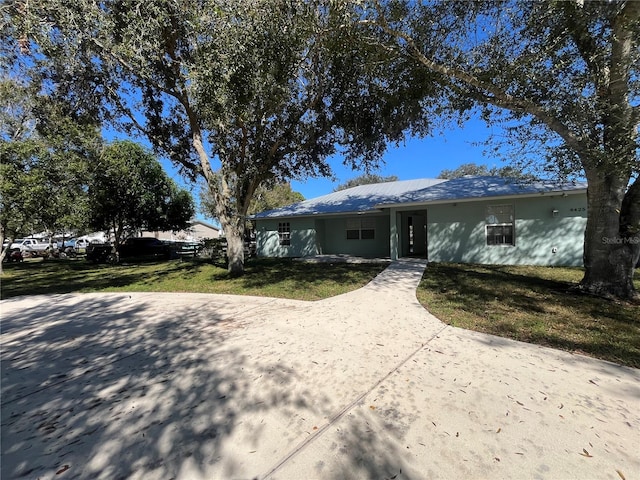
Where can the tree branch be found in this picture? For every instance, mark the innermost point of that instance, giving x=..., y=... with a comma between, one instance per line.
x=132, y=69
x=585, y=44
x=485, y=91
x=635, y=118
x=621, y=53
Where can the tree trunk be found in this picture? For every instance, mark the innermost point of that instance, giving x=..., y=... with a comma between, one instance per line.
x=630, y=218
x=235, y=252
x=610, y=246
x=3, y=251
x=233, y=227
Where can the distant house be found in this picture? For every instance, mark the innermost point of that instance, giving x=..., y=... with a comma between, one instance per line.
x=197, y=231
x=487, y=220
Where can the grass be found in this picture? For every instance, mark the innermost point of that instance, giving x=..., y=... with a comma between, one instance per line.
x=530, y=304
x=263, y=277
x=534, y=305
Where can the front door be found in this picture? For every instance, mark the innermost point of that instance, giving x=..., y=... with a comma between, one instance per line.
x=415, y=234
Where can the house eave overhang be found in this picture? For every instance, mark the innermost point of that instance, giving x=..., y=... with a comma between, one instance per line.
x=484, y=198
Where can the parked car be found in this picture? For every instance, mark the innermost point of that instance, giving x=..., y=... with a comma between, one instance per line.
x=81, y=244
x=144, y=246
x=132, y=247
x=33, y=246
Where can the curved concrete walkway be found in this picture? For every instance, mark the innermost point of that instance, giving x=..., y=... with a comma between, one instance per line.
x=363, y=385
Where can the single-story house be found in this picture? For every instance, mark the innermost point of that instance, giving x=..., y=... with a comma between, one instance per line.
x=487, y=220
x=196, y=232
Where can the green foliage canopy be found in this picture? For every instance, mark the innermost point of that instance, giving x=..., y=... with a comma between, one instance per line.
x=365, y=179
x=267, y=197
x=44, y=153
x=129, y=192
x=483, y=170
x=236, y=92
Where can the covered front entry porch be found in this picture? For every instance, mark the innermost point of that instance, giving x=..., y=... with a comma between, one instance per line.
x=408, y=233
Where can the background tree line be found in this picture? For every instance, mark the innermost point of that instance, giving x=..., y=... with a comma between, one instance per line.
x=58, y=176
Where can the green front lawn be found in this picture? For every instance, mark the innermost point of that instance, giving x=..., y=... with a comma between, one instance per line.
x=534, y=305
x=530, y=304
x=269, y=278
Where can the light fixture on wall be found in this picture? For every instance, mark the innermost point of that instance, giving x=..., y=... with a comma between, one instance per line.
x=554, y=212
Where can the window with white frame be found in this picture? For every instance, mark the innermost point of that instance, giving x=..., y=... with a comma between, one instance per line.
x=284, y=234
x=500, y=227
x=361, y=229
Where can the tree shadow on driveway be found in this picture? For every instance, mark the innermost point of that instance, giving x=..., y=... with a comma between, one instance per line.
x=109, y=387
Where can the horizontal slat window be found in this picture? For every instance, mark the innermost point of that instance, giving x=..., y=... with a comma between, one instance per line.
x=361, y=229
x=499, y=234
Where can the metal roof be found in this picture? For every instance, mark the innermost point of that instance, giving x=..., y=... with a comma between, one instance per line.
x=376, y=196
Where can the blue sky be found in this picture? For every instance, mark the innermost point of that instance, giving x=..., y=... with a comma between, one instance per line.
x=414, y=158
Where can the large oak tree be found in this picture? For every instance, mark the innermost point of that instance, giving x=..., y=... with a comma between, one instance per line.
x=563, y=78
x=238, y=92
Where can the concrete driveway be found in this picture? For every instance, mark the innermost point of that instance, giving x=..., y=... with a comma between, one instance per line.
x=366, y=385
